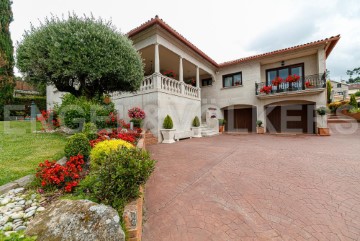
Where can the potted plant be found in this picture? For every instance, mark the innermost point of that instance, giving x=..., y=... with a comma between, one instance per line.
x=168, y=132
x=322, y=131
x=136, y=115
x=266, y=89
x=292, y=79
x=276, y=82
x=170, y=73
x=259, y=128
x=222, y=123
x=196, y=127
x=308, y=84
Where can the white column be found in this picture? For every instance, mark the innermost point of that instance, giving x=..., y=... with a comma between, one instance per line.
x=181, y=73
x=157, y=59
x=197, y=77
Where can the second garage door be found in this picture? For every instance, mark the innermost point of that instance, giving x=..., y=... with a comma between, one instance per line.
x=291, y=118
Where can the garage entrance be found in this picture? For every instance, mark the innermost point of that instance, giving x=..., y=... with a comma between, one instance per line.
x=240, y=120
x=294, y=118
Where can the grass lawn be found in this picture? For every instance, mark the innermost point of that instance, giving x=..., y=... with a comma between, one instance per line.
x=21, y=150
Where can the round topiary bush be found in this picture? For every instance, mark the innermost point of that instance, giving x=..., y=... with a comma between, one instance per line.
x=196, y=122
x=77, y=144
x=103, y=149
x=168, y=123
x=90, y=130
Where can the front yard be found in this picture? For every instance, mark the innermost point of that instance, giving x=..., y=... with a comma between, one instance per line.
x=21, y=150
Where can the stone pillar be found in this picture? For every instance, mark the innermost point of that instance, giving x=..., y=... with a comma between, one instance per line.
x=321, y=61
x=181, y=72
x=197, y=77
x=157, y=59
x=157, y=75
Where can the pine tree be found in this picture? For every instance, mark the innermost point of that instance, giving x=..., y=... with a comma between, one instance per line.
x=6, y=56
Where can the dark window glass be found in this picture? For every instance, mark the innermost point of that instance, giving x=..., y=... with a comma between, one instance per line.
x=230, y=80
x=206, y=82
x=284, y=72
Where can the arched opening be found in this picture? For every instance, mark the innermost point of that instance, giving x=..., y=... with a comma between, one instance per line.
x=240, y=118
x=291, y=117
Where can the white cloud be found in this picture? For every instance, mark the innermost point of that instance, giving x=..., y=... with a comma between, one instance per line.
x=225, y=30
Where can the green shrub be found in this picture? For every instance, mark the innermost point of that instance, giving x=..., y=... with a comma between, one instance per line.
x=353, y=101
x=168, y=123
x=259, y=123
x=357, y=94
x=103, y=149
x=77, y=144
x=117, y=181
x=90, y=131
x=75, y=111
x=354, y=110
x=335, y=105
x=321, y=111
x=222, y=122
x=196, y=122
x=39, y=101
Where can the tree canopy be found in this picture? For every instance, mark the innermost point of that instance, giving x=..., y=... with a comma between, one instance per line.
x=354, y=75
x=6, y=56
x=80, y=55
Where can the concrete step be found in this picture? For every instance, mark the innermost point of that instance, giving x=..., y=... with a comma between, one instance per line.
x=340, y=119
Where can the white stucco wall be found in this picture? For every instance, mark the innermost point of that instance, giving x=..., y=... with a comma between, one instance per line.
x=254, y=72
x=53, y=96
x=156, y=106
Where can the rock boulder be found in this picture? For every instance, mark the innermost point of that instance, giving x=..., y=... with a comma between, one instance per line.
x=77, y=220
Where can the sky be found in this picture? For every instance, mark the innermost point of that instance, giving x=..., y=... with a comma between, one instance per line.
x=224, y=30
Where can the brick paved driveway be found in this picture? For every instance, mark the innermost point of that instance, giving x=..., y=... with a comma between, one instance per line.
x=255, y=187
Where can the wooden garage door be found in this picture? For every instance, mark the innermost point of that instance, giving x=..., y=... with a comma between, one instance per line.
x=290, y=118
x=240, y=120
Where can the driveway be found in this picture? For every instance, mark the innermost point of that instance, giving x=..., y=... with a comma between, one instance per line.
x=255, y=187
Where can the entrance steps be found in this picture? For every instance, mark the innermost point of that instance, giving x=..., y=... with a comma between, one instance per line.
x=340, y=119
x=207, y=131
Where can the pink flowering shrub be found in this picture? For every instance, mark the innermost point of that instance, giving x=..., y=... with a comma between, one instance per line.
x=136, y=113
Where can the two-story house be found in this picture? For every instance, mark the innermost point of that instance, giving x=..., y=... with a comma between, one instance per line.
x=281, y=88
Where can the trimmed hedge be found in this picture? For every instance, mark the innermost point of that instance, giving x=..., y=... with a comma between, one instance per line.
x=40, y=102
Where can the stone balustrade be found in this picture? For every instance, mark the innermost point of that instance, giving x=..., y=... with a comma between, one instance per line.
x=158, y=82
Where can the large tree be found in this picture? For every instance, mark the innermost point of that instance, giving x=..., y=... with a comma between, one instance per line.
x=80, y=55
x=6, y=56
x=356, y=73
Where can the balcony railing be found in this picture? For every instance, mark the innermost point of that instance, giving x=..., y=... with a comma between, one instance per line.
x=158, y=82
x=309, y=82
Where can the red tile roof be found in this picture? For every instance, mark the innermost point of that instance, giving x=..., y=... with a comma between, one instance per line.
x=332, y=41
x=173, y=32
x=22, y=85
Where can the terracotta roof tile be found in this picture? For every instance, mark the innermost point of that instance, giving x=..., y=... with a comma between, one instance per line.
x=333, y=40
x=319, y=42
x=173, y=32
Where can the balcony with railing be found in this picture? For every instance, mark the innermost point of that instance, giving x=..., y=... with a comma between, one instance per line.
x=304, y=85
x=164, y=84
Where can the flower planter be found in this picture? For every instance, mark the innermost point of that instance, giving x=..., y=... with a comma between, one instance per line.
x=323, y=131
x=260, y=130
x=221, y=129
x=197, y=131
x=168, y=135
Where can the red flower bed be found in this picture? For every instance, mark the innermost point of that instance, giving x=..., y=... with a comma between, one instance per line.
x=53, y=174
x=128, y=135
x=49, y=120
